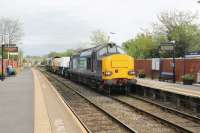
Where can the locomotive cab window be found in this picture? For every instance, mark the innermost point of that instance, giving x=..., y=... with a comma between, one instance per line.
x=112, y=49
x=102, y=52
x=120, y=50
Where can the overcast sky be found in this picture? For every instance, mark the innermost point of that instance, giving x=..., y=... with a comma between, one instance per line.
x=56, y=25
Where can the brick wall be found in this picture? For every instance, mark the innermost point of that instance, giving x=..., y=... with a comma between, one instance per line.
x=191, y=66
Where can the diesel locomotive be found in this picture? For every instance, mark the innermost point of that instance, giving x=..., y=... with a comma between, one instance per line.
x=102, y=67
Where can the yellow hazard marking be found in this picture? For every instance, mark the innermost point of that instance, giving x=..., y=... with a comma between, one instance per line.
x=41, y=119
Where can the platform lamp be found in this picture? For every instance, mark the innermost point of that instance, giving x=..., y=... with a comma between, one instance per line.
x=170, y=46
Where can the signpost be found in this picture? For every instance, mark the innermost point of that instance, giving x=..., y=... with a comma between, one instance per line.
x=170, y=46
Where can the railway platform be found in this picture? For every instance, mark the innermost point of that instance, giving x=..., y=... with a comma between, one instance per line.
x=16, y=103
x=52, y=115
x=30, y=104
x=187, y=96
x=187, y=90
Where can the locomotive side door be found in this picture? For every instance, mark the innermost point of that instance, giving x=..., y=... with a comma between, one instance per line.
x=93, y=62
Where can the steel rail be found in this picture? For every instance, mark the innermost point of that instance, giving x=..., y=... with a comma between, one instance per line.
x=98, y=107
x=185, y=115
x=73, y=111
x=154, y=116
x=164, y=121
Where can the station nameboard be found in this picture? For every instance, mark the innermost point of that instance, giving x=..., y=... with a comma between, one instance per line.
x=10, y=48
x=167, y=47
x=9, y=45
x=192, y=54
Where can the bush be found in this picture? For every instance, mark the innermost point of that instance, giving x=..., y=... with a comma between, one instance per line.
x=14, y=72
x=1, y=74
x=188, y=77
x=141, y=74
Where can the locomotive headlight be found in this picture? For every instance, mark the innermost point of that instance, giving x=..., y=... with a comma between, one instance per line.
x=107, y=73
x=131, y=72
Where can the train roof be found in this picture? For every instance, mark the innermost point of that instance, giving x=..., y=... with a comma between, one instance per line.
x=87, y=51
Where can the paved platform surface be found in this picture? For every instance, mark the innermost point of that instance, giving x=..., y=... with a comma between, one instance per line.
x=16, y=103
x=187, y=90
x=56, y=117
x=30, y=104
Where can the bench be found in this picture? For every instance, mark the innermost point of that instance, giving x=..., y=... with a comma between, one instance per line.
x=166, y=76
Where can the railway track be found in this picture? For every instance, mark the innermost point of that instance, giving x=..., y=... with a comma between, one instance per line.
x=94, y=118
x=131, y=117
x=178, y=119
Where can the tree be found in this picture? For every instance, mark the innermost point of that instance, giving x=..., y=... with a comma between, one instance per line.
x=13, y=28
x=53, y=54
x=142, y=46
x=68, y=52
x=98, y=38
x=181, y=27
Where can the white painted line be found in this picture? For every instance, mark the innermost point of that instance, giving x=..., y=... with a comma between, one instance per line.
x=59, y=125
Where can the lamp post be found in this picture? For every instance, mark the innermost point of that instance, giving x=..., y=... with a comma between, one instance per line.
x=170, y=46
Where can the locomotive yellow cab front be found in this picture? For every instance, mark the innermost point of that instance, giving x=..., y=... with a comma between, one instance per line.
x=118, y=69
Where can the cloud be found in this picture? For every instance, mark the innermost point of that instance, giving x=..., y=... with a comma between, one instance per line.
x=61, y=24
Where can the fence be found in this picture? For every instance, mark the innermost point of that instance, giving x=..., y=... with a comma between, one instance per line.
x=183, y=66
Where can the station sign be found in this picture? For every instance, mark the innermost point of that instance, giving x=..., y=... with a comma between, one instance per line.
x=155, y=64
x=9, y=45
x=192, y=54
x=167, y=47
x=10, y=48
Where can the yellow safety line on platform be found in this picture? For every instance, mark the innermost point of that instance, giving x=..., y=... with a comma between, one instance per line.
x=41, y=119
